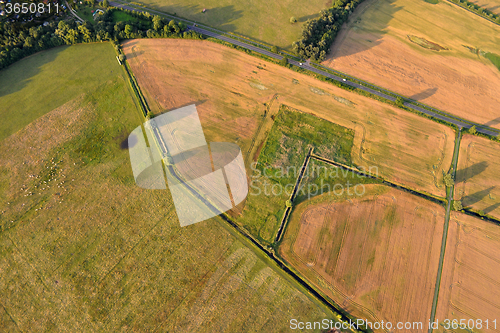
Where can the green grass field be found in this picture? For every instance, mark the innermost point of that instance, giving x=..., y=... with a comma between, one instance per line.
x=266, y=21
x=119, y=16
x=84, y=249
x=47, y=80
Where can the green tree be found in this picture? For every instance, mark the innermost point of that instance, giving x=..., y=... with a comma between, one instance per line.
x=105, y=3
x=400, y=101
x=448, y=180
x=473, y=130
x=284, y=61
x=121, y=57
x=498, y=137
x=457, y=205
x=157, y=23
x=128, y=29
x=274, y=49
x=293, y=20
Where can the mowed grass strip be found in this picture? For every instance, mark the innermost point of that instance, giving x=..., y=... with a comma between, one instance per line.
x=44, y=81
x=82, y=248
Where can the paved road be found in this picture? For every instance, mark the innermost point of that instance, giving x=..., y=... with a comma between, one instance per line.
x=262, y=50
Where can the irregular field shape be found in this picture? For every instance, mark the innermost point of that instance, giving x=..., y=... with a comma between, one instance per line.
x=375, y=48
x=377, y=256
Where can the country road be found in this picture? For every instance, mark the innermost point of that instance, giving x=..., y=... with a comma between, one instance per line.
x=215, y=33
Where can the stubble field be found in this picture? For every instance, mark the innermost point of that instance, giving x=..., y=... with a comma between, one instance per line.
x=375, y=255
x=432, y=53
x=478, y=175
x=469, y=285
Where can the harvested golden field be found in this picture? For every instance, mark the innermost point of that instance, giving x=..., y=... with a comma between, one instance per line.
x=470, y=284
x=433, y=53
x=478, y=175
x=230, y=88
x=376, y=255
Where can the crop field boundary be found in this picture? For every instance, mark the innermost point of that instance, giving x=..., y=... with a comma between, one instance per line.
x=346, y=298
x=438, y=165
x=256, y=138
x=379, y=200
x=292, y=197
x=469, y=210
x=464, y=6
x=401, y=187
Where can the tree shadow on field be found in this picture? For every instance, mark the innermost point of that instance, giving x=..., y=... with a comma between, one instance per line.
x=217, y=17
x=369, y=21
x=493, y=122
x=17, y=76
x=133, y=54
x=471, y=171
x=424, y=94
x=307, y=17
x=471, y=199
x=491, y=208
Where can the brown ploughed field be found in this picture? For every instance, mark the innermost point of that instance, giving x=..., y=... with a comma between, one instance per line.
x=376, y=256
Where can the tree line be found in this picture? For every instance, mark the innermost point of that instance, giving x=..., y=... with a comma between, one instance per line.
x=19, y=41
x=478, y=10
x=318, y=34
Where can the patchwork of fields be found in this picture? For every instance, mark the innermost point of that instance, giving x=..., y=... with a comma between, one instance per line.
x=375, y=255
x=469, y=286
x=82, y=248
x=433, y=53
x=174, y=73
x=478, y=175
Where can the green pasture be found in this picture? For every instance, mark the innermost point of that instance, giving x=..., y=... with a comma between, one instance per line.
x=46, y=80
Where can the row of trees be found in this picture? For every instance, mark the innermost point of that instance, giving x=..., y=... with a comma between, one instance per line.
x=18, y=41
x=478, y=10
x=318, y=34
